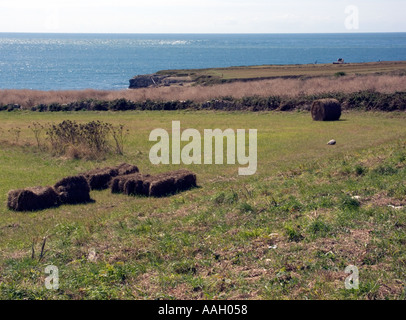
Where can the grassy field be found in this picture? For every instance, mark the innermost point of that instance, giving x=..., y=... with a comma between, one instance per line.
x=214, y=75
x=287, y=232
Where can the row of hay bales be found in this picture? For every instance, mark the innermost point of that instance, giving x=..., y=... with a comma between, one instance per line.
x=99, y=179
x=124, y=178
x=70, y=190
x=154, y=186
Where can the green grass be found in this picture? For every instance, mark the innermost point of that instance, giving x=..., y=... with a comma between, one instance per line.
x=218, y=75
x=287, y=232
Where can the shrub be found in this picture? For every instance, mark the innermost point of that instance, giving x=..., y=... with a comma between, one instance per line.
x=90, y=140
x=340, y=74
x=119, y=135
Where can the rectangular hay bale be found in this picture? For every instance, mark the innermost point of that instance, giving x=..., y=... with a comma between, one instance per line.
x=73, y=190
x=100, y=178
x=154, y=186
x=125, y=169
x=130, y=184
x=32, y=199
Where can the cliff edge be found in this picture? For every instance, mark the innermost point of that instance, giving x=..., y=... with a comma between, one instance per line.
x=158, y=80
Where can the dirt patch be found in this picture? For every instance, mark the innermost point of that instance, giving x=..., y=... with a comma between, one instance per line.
x=352, y=247
x=382, y=200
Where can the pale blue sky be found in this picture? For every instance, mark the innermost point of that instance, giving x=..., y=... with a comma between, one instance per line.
x=200, y=16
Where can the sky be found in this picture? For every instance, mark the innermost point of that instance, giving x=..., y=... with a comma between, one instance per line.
x=202, y=16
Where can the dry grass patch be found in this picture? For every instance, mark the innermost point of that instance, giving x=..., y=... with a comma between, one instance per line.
x=263, y=88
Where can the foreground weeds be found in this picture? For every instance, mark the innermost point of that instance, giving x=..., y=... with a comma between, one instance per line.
x=74, y=140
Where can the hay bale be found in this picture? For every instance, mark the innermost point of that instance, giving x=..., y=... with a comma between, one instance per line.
x=73, y=190
x=117, y=185
x=184, y=179
x=131, y=184
x=326, y=110
x=32, y=199
x=162, y=186
x=139, y=184
x=100, y=178
x=154, y=186
x=125, y=169
x=172, y=182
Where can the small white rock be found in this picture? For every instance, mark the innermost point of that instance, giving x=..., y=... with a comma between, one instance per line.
x=92, y=257
x=332, y=142
x=395, y=207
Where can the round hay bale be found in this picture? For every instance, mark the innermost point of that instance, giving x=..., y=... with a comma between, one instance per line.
x=32, y=199
x=326, y=110
x=73, y=190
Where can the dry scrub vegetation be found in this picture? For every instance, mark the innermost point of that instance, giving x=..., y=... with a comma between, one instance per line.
x=91, y=140
x=272, y=87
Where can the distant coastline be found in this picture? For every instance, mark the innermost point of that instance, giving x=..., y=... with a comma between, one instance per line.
x=211, y=76
x=107, y=61
x=365, y=86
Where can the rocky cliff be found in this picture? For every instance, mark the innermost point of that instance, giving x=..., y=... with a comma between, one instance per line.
x=158, y=80
x=146, y=80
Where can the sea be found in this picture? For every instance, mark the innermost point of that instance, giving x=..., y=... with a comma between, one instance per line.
x=109, y=61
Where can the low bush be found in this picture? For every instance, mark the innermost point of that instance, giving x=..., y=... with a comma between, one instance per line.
x=87, y=140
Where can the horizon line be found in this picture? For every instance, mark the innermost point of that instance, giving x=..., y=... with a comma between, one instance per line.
x=200, y=33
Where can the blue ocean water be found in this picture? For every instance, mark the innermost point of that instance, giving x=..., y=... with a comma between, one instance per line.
x=108, y=61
